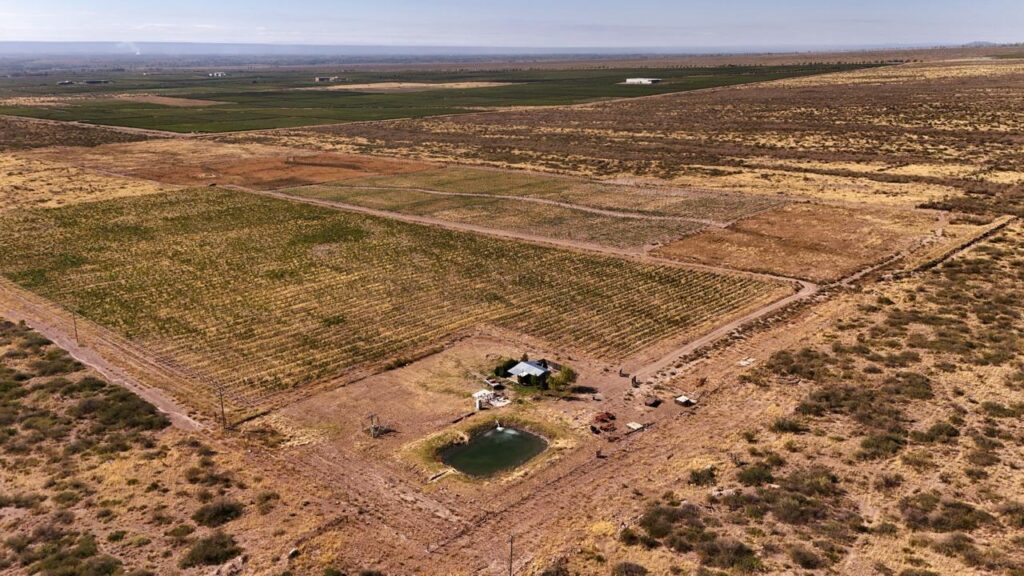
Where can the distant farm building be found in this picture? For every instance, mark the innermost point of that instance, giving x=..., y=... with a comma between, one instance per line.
x=642, y=81
x=217, y=74
x=322, y=79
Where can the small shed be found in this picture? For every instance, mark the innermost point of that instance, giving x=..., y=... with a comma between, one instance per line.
x=530, y=370
x=642, y=81
x=685, y=401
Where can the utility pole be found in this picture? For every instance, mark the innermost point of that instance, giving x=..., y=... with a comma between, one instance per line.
x=223, y=417
x=511, y=541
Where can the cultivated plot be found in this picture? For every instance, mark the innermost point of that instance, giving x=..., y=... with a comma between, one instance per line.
x=261, y=295
x=521, y=217
x=23, y=134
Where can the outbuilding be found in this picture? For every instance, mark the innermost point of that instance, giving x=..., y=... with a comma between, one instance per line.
x=528, y=372
x=642, y=81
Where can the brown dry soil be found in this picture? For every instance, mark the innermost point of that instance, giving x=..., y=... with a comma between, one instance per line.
x=197, y=163
x=821, y=243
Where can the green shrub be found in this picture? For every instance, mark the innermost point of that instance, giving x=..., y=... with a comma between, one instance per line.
x=755, y=475
x=703, y=476
x=629, y=569
x=942, y=432
x=218, y=512
x=805, y=558
x=266, y=500
x=928, y=511
x=728, y=553
x=881, y=445
x=788, y=426
x=215, y=549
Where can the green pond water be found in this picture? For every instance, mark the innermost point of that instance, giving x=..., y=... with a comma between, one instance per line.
x=493, y=451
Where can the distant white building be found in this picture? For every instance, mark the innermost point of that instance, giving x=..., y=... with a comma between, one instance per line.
x=217, y=74
x=643, y=81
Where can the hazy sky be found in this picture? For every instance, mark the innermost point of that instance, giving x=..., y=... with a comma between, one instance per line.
x=521, y=23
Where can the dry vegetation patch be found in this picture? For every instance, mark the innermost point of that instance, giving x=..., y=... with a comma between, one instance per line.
x=521, y=217
x=93, y=481
x=899, y=456
x=23, y=134
x=27, y=182
x=810, y=241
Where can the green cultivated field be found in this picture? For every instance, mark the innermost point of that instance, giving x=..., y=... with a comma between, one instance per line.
x=263, y=295
x=258, y=100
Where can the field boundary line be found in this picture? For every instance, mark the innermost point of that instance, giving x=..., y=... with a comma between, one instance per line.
x=545, y=201
x=47, y=318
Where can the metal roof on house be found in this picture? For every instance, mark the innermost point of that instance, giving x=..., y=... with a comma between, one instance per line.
x=528, y=369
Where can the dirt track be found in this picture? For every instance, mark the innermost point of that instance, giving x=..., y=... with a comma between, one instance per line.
x=95, y=348
x=547, y=202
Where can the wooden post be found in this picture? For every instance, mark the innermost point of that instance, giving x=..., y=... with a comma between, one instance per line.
x=223, y=416
x=74, y=322
x=511, y=540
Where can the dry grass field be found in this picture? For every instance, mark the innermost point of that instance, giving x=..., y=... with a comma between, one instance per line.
x=699, y=205
x=26, y=182
x=263, y=295
x=906, y=134
x=522, y=217
x=888, y=443
x=811, y=241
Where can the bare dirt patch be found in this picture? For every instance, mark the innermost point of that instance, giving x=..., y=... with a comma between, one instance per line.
x=811, y=241
x=196, y=163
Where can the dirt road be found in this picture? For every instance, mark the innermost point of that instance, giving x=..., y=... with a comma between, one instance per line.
x=97, y=348
x=548, y=202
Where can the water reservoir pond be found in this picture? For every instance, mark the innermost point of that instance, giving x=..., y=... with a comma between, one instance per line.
x=493, y=451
